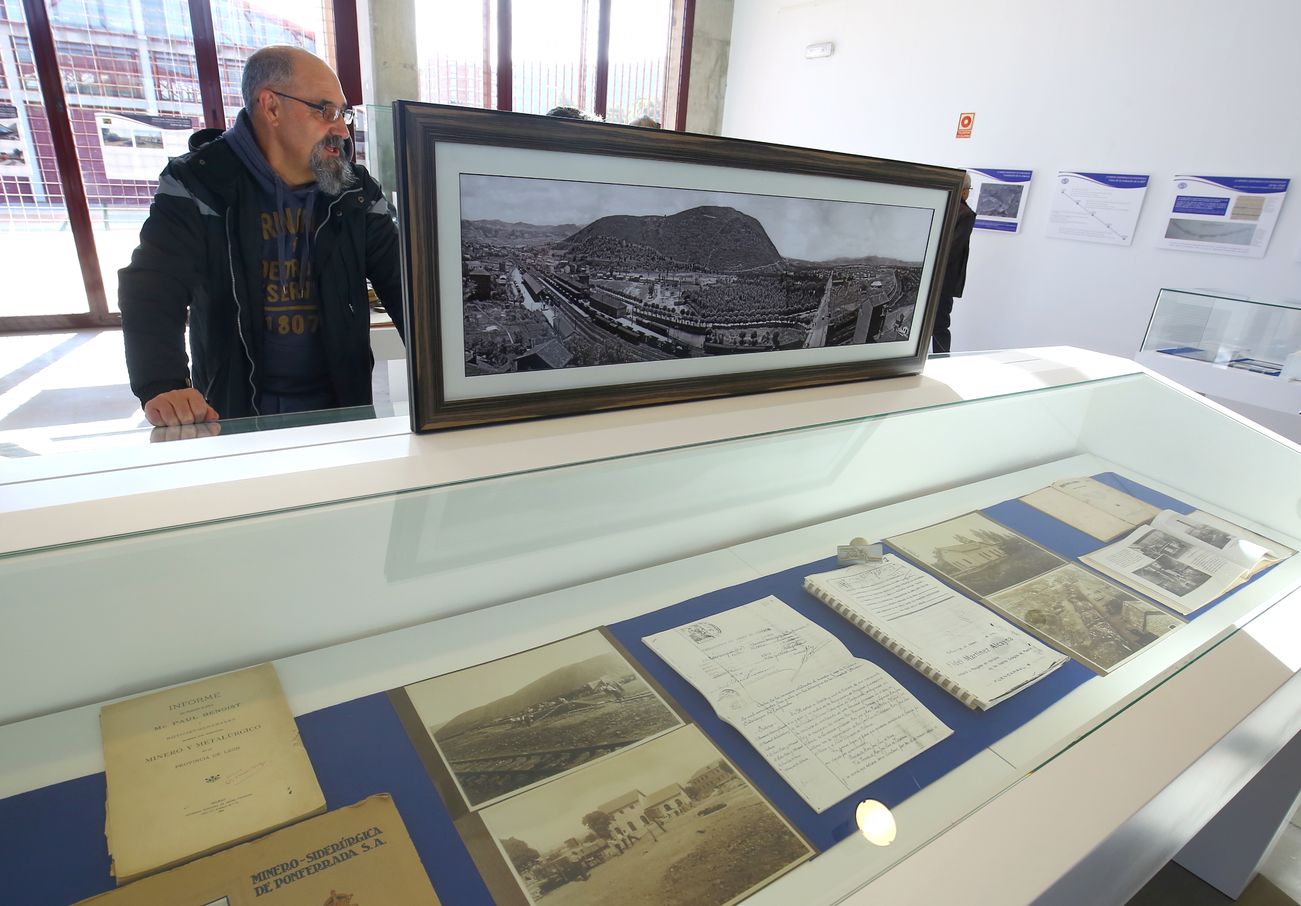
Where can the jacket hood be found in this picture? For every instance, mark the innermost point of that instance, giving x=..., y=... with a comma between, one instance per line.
x=202, y=137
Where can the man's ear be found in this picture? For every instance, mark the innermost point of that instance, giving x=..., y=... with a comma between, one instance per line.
x=268, y=103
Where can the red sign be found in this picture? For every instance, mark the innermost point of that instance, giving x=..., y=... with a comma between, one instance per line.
x=965, y=122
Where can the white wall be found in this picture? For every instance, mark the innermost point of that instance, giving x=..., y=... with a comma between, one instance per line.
x=1196, y=86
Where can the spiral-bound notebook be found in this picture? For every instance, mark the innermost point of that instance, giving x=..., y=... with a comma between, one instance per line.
x=956, y=643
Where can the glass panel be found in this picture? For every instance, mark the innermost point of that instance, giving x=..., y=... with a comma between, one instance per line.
x=639, y=45
x=241, y=27
x=456, y=45
x=33, y=216
x=1224, y=329
x=553, y=55
x=694, y=518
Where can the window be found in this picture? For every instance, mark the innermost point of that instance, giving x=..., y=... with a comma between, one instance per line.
x=166, y=17
x=556, y=55
x=136, y=84
x=104, y=15
x=96, y=70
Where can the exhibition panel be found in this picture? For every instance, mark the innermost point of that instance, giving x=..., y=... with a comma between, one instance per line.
x=936, y=609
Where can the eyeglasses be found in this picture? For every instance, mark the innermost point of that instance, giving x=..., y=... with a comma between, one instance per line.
x=328, y=111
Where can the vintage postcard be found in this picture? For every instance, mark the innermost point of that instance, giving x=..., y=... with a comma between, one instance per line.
x=510, y=724
x=977, y=553
x=668, y=823
x=1094, y=621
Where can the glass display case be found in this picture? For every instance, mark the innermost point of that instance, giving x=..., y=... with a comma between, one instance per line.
x=362, y=566
x=1243, y=352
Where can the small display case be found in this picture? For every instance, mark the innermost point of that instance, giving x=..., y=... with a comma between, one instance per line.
x=1242, y=352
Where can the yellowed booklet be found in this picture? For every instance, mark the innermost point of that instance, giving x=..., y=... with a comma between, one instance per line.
x=199, y=767
x=355, y=856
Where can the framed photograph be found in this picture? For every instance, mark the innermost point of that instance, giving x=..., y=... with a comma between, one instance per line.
x=557, y=266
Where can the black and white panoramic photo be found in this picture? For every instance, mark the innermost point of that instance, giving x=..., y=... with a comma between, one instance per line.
x=568, y=274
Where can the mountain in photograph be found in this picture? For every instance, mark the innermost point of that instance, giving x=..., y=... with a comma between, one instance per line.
x=515, y=233
x=708, y=238
x=553, y=685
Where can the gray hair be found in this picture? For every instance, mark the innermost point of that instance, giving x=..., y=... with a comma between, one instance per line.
x=269, y=67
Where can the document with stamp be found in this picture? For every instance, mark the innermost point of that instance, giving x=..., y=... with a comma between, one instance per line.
x=201, y=766
x=828, y=722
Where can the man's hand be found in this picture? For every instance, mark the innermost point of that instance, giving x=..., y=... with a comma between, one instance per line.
x=184, y=432
x=179, y=407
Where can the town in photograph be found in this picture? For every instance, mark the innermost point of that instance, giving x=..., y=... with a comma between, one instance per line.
x=567, y=274
x=1087, y=616
x=509, y=724
x=977, y=552
x=669, y=823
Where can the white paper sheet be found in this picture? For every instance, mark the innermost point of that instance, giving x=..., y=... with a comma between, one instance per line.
x=1096, y=207
x=1224, y=215
x=979, y=653
x=828, y=722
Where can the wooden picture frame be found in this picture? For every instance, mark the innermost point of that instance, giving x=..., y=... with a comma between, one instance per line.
x=555, y=266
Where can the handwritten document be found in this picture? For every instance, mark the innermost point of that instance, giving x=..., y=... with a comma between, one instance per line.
x=954, y=641
x=828, y=722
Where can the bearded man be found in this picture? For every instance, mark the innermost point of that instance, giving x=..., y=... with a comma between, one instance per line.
x=264, y=236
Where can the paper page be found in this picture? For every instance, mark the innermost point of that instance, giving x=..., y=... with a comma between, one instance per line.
x=201, y=766
x=981, y=654
x=1236, y=543
x=359, y=855
x=826, y=721
x=1180, y=572
x=1224, y=215
x=1096, y=207
x=1077, y=513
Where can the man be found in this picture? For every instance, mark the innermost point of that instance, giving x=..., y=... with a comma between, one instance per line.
x=955, y=274
x=265, y=235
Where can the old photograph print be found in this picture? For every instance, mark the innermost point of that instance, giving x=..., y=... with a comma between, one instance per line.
x=512, y=723
x=1094, y=621
x=566, y=274
x=977, y=553
x=669, y=823
x=999, y=200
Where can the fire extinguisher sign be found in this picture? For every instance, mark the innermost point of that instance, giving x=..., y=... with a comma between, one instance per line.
x=965, y=122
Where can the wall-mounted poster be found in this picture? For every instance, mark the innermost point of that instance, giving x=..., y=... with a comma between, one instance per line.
x=557, y=266
x=1096, y=207
x=1224, y=215
x=998, y=197
x=137, y=145
x=15, y=154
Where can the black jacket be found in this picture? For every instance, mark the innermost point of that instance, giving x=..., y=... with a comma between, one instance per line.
x=955, y=273
x=199, y=253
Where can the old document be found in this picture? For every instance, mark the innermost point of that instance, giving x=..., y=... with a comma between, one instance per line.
x=828, y=722
x=355, y=856
x=198, y=767
x=1185, y=562
x=951, y=639
x=1092, y=507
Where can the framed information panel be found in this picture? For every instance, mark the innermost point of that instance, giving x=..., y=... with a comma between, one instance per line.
x=555, y=266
